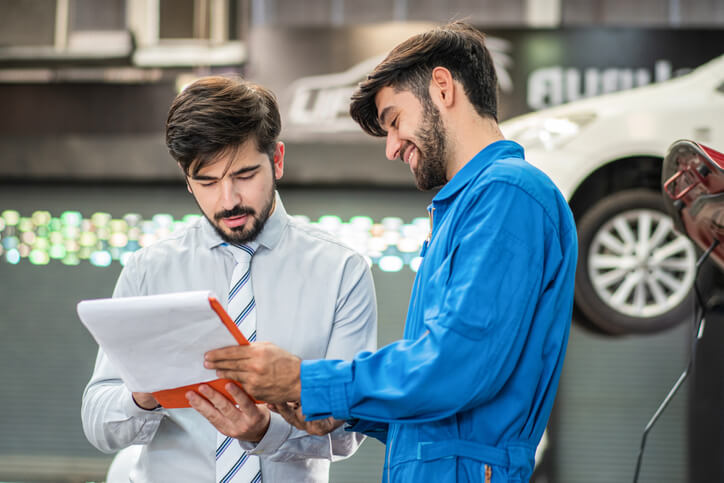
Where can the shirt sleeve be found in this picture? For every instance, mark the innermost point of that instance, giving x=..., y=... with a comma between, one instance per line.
x=472, y=338
x=111, y=419
x=355, y=330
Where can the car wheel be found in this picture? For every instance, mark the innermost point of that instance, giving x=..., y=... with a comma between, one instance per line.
x=635, y=273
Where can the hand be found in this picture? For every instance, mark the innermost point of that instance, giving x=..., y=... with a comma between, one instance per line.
x=248, y=422
x=145, y=400
x=292, y=413
x=267, y=372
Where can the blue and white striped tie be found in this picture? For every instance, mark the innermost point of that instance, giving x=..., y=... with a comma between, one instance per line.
x=233, y=464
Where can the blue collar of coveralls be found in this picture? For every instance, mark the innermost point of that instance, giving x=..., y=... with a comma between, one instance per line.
x=498, y=150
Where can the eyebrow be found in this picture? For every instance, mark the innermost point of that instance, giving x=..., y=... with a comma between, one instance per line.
x=245, y=169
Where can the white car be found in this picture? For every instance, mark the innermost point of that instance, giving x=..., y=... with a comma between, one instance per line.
x=635, y=273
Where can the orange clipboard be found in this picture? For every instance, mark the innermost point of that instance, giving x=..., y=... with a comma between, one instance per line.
x=176, y=397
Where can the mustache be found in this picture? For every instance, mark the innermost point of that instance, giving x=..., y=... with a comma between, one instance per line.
x=403, y=150
x=235, y=211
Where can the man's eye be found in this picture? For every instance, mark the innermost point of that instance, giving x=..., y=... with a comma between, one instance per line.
x=206, y=184
x=245, y=176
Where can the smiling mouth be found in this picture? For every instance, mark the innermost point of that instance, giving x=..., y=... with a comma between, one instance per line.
x=408, y=154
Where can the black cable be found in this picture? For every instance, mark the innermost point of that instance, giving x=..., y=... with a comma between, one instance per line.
x=699, y=316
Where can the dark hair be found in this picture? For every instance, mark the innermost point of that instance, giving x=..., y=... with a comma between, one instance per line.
x=457, y=46
x=215, y=114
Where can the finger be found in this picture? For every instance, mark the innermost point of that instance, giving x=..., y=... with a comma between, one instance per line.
x=229, y=364
x=220, y=402
x=241, y=397
x=231, y=352
x=239, y=376
x=207, y=410
x=290, y=416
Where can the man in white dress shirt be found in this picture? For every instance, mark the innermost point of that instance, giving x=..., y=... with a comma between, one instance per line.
x=314, y=297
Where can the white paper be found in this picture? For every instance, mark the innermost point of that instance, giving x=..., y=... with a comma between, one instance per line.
x=157, y=342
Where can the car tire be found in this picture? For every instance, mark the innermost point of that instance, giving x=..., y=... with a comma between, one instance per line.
x=635, y=273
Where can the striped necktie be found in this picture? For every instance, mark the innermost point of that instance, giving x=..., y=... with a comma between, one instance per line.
x=233, y=464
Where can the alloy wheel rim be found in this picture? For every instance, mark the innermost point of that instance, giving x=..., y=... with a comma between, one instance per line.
x=639, y=265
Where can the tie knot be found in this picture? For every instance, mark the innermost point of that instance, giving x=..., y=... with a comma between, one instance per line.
x=242, y=253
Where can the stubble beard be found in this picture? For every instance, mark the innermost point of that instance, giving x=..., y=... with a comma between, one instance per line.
x=251, y=229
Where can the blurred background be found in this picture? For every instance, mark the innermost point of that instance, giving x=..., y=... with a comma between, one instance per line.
x=85, y=179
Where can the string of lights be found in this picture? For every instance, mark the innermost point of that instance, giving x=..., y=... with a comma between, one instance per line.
x=101, y=240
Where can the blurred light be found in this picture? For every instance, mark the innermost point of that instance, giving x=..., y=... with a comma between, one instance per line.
x=28, y=237
x=408, y=245
x=38, y=257
x=119, y=240
x=57, y=252
x=11, y=217
x=100, y=219
x=12, y=256
x=124, y=258
x=10, y=242
x=361, y=222
x=163, y=220
x=132, y=219
x=70, y=238
x=71, y=259
x=40, y=218
x=101, y=258
x=119, y=226
x=88, y=239
x=415, y=264
x=25, y=224
x=71, y=218
x=190, y=218
x=390, y=264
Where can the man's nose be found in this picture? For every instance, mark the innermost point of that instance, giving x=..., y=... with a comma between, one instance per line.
x=230, y=196
x=392, y=148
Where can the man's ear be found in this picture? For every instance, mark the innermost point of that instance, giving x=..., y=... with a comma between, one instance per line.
x=278, y=161
x=442, y=87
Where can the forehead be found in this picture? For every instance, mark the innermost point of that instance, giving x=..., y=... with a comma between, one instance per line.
x=233, y=158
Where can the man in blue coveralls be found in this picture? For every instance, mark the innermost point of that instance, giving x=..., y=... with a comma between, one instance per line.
x=466, y=395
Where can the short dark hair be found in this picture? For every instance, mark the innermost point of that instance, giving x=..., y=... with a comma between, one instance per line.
x=218, y=113
x=457, y=46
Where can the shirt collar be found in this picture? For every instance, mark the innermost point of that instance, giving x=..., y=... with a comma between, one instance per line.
x=269, y=236
x=498, y=150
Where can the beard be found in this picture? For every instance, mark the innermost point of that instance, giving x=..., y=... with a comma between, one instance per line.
x=432, y=147
x=251, y=229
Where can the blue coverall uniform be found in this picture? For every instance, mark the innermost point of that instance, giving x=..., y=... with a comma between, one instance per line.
x=467, y=393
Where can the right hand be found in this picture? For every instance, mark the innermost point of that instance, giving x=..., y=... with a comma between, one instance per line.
x=292, y=413
x=145, y=400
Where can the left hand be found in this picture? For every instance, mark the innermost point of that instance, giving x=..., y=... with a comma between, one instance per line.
x=266, y=371
x=248, y=422
x=292, y=413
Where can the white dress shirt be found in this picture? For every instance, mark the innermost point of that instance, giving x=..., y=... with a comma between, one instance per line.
x=314, y=297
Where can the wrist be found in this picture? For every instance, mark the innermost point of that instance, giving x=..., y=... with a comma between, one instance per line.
x=145, y=401
x=297, y=386
x=264, y=428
